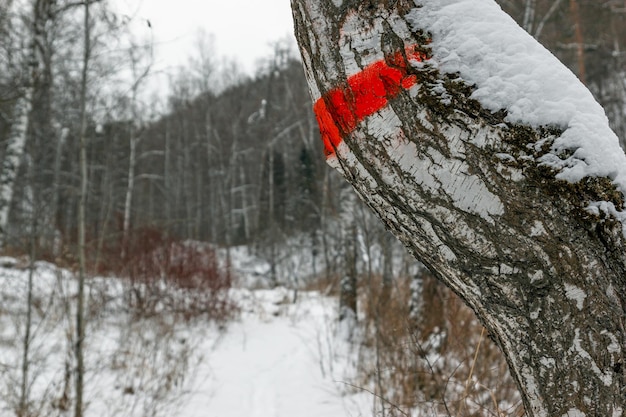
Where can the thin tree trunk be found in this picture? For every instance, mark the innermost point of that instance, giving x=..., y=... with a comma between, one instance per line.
x=545, y=18
x=529, y=15
x=13, y=156
x=387, y=252
x=246, y=202
x=24, y=407
x=80, y=303
x=130, y=188
x=56, y=189
x=580, y=46
x=134, y=137
x=348, y=284
x=328, y=265
x=543, y=273
x=416, y=304
x=105, y=215
x=167, y=177
x=188, y=183
x=271, y=215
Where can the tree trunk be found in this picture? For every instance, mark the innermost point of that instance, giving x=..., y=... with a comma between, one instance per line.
x=386, y=241
x=348, y=284
x=80, y=302
x=16, y=140
x=465, y=191
x=416, y=304
x=580, y=45
x=26, y=380
x=529, y=15
x=13, y=156
x=56, y=191
x=130, y=188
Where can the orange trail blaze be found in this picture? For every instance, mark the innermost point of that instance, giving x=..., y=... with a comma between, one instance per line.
x=340, y=110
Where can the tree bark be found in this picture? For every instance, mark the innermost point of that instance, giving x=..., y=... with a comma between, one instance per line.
x=463, y=189
x=13, y=156
x=130, y=187
x=16, y=141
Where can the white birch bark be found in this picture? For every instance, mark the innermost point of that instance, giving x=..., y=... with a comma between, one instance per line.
x=529, y=15
x=134, y=135
x=16, y=142
x=544, y=276
x=130, y=188
x=13, y=156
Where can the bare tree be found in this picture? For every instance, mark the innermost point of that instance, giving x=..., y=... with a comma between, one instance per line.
x=543, y=271
x=135, y=134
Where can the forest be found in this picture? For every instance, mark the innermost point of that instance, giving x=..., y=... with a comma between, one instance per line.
x=100, y=167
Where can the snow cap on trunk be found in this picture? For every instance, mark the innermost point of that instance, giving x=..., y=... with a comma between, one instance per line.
x=512, y=71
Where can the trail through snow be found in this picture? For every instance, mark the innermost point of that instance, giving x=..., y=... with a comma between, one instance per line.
x=275, y=362
x=277, y=359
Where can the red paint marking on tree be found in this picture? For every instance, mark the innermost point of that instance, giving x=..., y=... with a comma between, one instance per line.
x=340, y=110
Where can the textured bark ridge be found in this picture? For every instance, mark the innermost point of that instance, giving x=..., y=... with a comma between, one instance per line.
x=463, y=190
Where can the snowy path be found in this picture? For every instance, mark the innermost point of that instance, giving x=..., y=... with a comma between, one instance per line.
x=269, y=365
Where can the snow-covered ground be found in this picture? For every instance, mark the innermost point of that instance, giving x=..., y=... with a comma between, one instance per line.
x=277, y=358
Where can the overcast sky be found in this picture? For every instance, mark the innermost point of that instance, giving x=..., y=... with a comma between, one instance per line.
x=243, y=29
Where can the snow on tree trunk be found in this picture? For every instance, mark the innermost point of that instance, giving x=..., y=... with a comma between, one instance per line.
x=495, y=167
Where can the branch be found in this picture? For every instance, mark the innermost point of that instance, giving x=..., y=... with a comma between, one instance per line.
x=71, y=5
x=546, y=17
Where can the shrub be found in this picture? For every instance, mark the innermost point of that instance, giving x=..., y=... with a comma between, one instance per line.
x=444, y=364
x=180, y=277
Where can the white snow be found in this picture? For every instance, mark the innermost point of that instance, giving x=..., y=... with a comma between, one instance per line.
x=277, y=359
x=614, y=347
x=537, y=229
x=273, y=364
x=576, y=294
x=574, y=412
x=512, y=71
